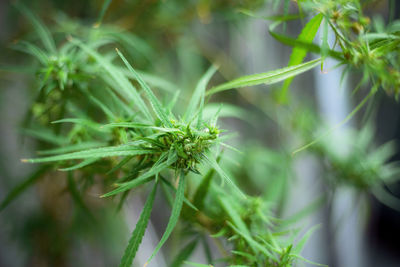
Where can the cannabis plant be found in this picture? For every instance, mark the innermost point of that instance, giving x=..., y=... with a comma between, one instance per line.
x=118, y=131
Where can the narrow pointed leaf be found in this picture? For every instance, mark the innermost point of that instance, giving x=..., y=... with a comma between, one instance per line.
x=39, y=27
x=124, y=86
x=198, y=94
x=82, y=164
x=307, y=35
x=176, y=210
x=270, y=77
x=213, y=163
x=103, y=10
x=157, y=107
x=123, y=150
x=300, y=245
x=144, y=178
x=70, y=148
x=138, y=233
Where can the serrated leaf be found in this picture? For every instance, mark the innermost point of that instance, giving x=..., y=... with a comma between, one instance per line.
x=176, y=210
x=138, y=233
x=142, y=179
x=124, y=86
x=270, y=77
x=140, y=125
x=123, y=150
x=70, y=148
x=307, y=35
x=169, y=185
x=157, y=107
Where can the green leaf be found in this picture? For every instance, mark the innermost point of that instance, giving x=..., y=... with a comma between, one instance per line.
x=270, y=77
x=153, y=80
x=307, y=35
x=300, y=245
x=184, y=254
x=157, y=107
x=138, y=233
x=123, y=150
x=252, y=243
x=176, y=210
x=197, y=264
x=103, y=10
x=209, y=159
x=32, y=50
x=39, y=27
x=70, y=148
x=17, y=190
x=45, y=135
x=198, y=94
x=144, y=178
x=202, y=189
x=345, y=120
x=124, y=86
x=140, y=125
x=84, y=122
x=120, y=164
x=82, y=164
x=169, y=185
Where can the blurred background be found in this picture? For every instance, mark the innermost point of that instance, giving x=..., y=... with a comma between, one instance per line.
x=178, y=41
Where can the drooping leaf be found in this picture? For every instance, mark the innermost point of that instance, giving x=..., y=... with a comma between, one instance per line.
x=270, y=77
x=176, y=210
x=138, y=233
